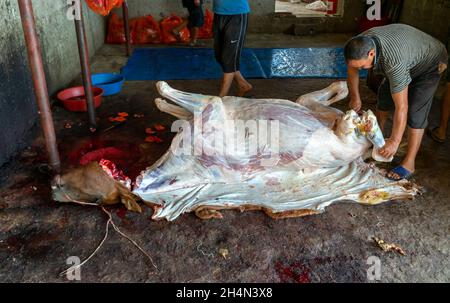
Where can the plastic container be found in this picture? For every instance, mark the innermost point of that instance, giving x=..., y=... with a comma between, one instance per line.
x=74, y=98
x=110, y=83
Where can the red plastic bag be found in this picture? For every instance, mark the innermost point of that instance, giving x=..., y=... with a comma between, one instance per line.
x=147, y=31
x=206, y=32
x=167, y=25
x=103, y=7
x=116, y=31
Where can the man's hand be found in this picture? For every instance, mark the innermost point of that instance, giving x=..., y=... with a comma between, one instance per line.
x=197, y=2
x=355, y=104
x=389, y=149
x=399, y=125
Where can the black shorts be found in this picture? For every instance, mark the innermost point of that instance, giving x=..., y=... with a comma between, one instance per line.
x=420, y=98
x=229, y=37
x=196, y=16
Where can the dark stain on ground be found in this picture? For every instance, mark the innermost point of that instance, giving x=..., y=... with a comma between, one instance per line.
x=121, y=213
x=308, y=270
x=33, y=243
x=25, y=189
x=64, y=221
x=294, y=272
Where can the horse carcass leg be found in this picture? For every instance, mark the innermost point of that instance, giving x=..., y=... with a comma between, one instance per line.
x=174, y=110
x=327, y=96
x=191, y=102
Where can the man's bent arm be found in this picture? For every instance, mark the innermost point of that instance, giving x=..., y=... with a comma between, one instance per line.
x=353, y=84
x=400, y=115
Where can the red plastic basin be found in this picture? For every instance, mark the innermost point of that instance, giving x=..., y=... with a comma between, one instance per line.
x=74, y=98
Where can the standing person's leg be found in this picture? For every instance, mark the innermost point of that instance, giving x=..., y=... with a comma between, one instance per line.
x=439, y=134
x=420, y=99
x=194, y=35
x=227, y=80
x=176, y=30
x=196, y=20
x=243, y=85
x=220, y=50
x=234, y=29
x=415, y=136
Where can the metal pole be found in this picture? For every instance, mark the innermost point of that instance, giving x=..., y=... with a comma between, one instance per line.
x=85, y=68
x=39, y=81
x=126, y=24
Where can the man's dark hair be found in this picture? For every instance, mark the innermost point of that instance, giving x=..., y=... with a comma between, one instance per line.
x=358, y=48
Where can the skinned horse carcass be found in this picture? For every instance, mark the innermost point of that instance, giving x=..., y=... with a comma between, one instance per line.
x=286, y=158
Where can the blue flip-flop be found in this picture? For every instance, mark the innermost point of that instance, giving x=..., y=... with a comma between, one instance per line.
x=402, y=172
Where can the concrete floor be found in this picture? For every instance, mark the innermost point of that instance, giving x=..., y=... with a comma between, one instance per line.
x=37, y=235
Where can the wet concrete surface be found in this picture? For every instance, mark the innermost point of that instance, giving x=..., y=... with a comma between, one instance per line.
x=37, y=235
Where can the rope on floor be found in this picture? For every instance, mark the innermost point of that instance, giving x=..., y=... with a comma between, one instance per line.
x=110, y=221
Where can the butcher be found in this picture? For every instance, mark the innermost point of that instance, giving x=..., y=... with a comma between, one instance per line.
x=411, y=62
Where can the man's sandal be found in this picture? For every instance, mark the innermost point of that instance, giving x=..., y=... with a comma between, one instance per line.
x=402, y=172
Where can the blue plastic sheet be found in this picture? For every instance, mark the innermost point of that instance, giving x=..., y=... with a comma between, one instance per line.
x=265, y=63
x=302, y=62
x=184, y=64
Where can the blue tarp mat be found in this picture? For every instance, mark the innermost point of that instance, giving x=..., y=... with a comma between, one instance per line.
x=302, y=62
x=265, y=63
x=184, y=64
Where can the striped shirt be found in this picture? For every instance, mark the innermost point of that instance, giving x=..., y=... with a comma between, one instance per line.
x=404, y=53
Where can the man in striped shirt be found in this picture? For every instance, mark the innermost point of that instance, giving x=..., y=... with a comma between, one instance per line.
x=411, y=62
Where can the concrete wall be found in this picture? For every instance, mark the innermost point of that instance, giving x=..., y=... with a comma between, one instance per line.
x=162, y=8
x=262, y=11
x=263, y=18
x=18, y=110
x=431, y=16
x=267, y=22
